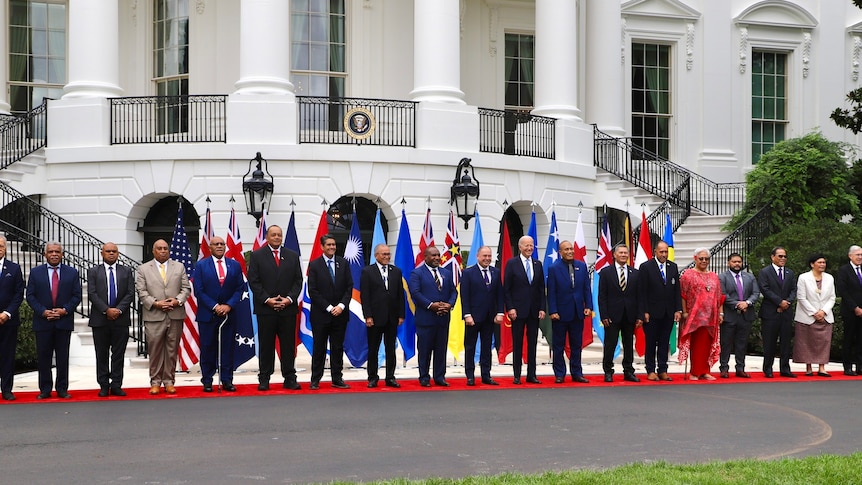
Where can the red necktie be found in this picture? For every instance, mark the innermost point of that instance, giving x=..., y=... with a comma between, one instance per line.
x=55, y=285
x=220, y=272
x=275, y=255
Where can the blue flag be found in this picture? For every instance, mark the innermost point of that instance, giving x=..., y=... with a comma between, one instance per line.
x=355, y=337
x=378, y=238
x=533, y=233
x=245, y=335
x=552, y=252
x=405, y=261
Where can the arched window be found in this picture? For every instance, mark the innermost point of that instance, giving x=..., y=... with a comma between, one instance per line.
x=340, y=216
x=160, y=221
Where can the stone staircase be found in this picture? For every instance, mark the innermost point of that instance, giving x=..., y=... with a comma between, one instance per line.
x=699, y=231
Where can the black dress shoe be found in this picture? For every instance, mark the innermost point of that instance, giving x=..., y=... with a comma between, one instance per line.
x=767, y=374
x=103, y=392
x=743, y=374
x=118, y=391
x=724, y=374
x=263, y=386
x=533, y=380
x=490, y=382
x=229, y=387
x=441, y=383
x=340, y=385
x=516, y=381
x=44, y=395
x=559, y=380
x=581, y=379
x=208, y=388
x=631, y=378
x=314, y=386
x=8, y=396
x=789, y=375
x=609, y=378
x=850, y=373
x=392, y=383
x=63, y=395
x=425, y=383
x=372, y=383
x=471, y=381
x=291, y=385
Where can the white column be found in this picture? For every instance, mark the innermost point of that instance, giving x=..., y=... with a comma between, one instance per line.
x=4, y=47
x=437, y=52
x=94, y=43
x=556, y=74
x=604, y=67
x=264, y=48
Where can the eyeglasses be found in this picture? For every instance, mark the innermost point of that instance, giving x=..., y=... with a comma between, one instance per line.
x=781, y=256
x=703, y=259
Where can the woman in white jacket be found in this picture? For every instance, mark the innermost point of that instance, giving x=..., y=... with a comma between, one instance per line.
x=815, y=296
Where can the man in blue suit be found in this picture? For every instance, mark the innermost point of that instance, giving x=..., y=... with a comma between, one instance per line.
x=434, y=296
x=53, y=292
x=569, y=301
x=482, y=308
x=11, y=296
x=219, y=288
x=524, y=295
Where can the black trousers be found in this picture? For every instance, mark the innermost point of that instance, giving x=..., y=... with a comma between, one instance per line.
x=852, y=342
x=334, y=334
x=388, y=334
x=484, y=331
x=531, y=326
x=8, y=344
x=613, y=331
x=734, y=335
x=110, y=342
x=777, y=331
x=268, y=328
x=53, y=344
x=657, y=336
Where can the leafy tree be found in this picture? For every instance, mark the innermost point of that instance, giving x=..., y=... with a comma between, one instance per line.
x=802, y=239
x=802, y=180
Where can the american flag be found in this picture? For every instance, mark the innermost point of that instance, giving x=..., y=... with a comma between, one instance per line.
x=189, y=351
x=426, y=239
x=244, y=337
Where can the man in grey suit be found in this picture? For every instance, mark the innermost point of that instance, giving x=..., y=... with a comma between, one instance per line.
x=111, y=290
x=163, y=287
x=740, y=293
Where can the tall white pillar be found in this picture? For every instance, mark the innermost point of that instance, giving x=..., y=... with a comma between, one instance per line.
x=437, y=52
x=604, y=75
x=94, y=43
x=264, y=48
x=556, y=74
x=4, y=47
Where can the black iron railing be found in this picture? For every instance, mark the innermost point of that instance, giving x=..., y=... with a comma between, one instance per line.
x=662, y=177
x=742, y=240
x=28, y=226
x=357, y=121
x=511, y=132
x=169, y=119
x=21, y=135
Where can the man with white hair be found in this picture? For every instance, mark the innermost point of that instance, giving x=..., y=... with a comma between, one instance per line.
x=849, y=285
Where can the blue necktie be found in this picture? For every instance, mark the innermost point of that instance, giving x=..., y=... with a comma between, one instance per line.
x=663, y=276
x=112, y=288
x=331, y=271
x=529, y=267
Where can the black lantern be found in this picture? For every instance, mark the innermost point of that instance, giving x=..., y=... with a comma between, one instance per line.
x=257, y=187
x=465, y=191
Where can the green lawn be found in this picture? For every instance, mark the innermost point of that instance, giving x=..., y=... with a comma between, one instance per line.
x=824, y=469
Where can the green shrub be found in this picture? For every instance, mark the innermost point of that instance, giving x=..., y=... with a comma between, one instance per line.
x=25, y=353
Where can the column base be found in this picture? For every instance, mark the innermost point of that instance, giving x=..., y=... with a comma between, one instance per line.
x=262, y=118
x=575, y=145
x=79, y=122
x=447, y=127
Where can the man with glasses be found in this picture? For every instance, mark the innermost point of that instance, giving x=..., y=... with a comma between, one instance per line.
x=849, y=285
x=778, y=286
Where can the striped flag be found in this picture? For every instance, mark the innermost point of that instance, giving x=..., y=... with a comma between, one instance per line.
x=452, y=259
x=580, y=245
x=355, y=336
x=404, y=260
x=425, y=240
x=189, y=351
x=604, y=257
x=245, y=335
x=260, y=239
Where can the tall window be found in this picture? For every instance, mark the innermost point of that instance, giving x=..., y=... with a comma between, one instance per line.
x=317, y=47
x=37, y=52
x=651, y=98
x=768, y=101
x=520, y=66
x=171, y=64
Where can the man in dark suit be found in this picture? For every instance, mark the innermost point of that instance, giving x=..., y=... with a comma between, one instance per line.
x=621, y=312
x=740, y=293
x=659, y=293
x=570, y=300
x=778, y=286
x=111, y=291
x=482, y=308
x=524, y=296
x=219, y=287
x=330, y=286
x=381, y=290
x=434, y=294
x=275, y=279
x=11, y=296
x=53, y=292
x=849, y=285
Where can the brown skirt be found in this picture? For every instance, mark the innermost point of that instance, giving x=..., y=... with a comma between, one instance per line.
x=811, y=343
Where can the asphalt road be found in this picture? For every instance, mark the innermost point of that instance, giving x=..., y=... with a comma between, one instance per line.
x=300, y=439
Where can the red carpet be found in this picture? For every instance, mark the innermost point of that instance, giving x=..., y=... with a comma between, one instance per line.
x=411, y=385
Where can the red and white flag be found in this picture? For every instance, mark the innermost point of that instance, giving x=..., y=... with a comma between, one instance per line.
x=426, y=239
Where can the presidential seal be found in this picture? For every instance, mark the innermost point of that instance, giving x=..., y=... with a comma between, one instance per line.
x=359, y=123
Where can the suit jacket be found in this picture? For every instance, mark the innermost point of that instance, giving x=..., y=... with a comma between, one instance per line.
x=152, y=288
x=566, y=296
x=528, y=299
x=385, y=306
x=661, y=298
x=750, y=292
x=613, y=302
x=774, y=291
x=210, y=293
x=267, y=280
x=39, y=297
x=11, y=291
x=850, y=290
x=424, y=291
x=324, y=291
x=97, y=294
x=809, y=301
x=482, y=302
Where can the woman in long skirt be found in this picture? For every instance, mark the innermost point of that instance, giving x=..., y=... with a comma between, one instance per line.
x=701, y=314
x=815, y=297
